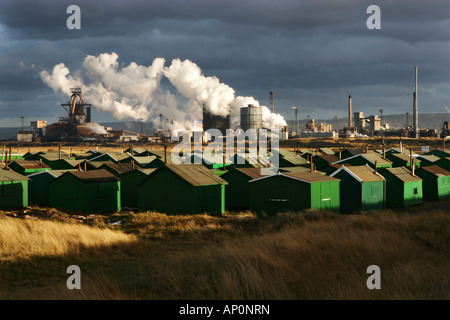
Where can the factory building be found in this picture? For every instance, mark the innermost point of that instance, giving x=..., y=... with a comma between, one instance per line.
x=211, y=121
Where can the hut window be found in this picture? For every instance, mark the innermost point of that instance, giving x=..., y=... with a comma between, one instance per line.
x=415, y=191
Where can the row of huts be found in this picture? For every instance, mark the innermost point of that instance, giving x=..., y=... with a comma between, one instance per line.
x=362, y=181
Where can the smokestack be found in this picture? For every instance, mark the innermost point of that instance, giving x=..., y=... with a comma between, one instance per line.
x=88, y=114
x=311, y=163
x=413, y=167
x=401, y=146
x=350, y=111
x=375, y=170
x=415, y=110
x=271, y=101
x=340, y=153
x=132, y=164
x=10, y=154
x=6, y=160
x=85, y=164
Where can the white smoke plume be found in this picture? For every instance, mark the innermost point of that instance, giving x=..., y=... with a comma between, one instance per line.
x=134, y=91
x=96, y=128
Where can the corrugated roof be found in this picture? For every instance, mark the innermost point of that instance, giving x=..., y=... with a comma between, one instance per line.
x=254, y=161
x=147, y=171
x=360, y=173
x=11, y=175
x=54, y=173
x=371, y=157
x=354, y=152
x=298, y=169
x=253, y=173
x=326, y=151
x=286, y=153
x=117, y=156
x=403, y=157
x=296, y=160
x=120, y=167
x=30, y=164
x=99, y=175
x=309, y=176
x=144, y=160
x=430, y=157
x=436, y=170
x=195, y=174
x=402, y=173
x=328, y=158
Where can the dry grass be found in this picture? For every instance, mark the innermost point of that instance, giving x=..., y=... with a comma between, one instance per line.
x=308, y=255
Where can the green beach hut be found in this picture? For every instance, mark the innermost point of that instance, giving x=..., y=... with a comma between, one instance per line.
x=436, y=182
x=402, y=188
x=13, y=190
x=237, y=192
x=39, y=186
x=182, y=189
x=26, y=167
x=288, y=191
x=129, y=182
x=362, y=188
x=86, y=191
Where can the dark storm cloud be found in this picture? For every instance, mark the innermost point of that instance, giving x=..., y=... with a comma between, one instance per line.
x=310, y=52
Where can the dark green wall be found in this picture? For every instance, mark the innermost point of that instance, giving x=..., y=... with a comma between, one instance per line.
x=237, y=191
x=39, y=189
x=129, y=187
x=164, y=191
x=13, y=194
x=68, y=192
x=280, y=194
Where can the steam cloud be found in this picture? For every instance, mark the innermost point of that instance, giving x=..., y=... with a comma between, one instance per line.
x=134, y=91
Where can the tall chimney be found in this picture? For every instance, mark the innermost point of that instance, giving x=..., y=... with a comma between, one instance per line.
x=311, y=163
x=350, y=111
x=88, y=114
x=271, y=101
x=415, y=112
x=10, y=153
x=401, y=146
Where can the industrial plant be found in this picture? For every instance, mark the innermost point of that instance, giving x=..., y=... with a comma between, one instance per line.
x=78, y=125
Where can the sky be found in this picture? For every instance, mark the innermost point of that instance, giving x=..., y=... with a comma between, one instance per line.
x=312, y=54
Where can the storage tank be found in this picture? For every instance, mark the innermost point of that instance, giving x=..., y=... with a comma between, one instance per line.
x=251, y=117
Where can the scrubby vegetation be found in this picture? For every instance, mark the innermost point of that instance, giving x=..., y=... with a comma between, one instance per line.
x=306, y=255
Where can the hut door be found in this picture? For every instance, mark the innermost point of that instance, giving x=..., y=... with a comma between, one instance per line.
x=325, y=195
